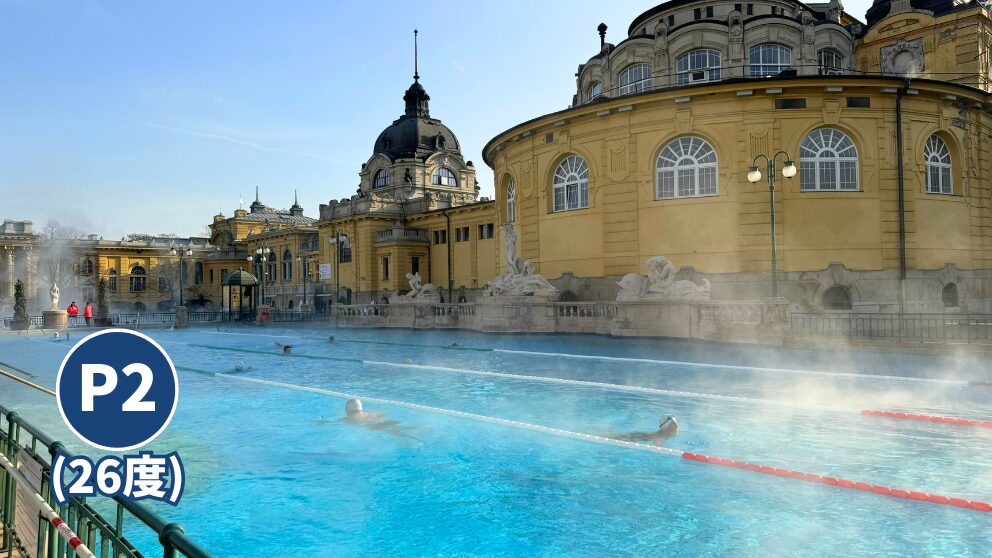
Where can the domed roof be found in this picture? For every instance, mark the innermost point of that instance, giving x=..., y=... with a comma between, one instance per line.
x=239, y=277
x=879, y=9
x=415, y=134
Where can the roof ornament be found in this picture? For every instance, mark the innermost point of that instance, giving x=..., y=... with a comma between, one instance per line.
x=416, y=58
x=602, y=35
x=256, y=193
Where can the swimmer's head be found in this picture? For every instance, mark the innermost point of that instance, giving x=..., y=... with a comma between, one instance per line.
x=352, y=407
x=408, y=361
x=668, y=420
x=286, y=349
x=239, y=366
x=330, y=339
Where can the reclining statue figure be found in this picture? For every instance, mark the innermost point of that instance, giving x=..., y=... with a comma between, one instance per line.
x=519, y=279
x=660, y=284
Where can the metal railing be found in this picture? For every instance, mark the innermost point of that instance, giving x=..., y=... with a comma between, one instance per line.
x=205, y=317
x=102, y=537
x=585, y=309
x=932, y=328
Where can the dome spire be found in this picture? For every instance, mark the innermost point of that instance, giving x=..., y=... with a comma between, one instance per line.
x=416, y=96
x=416, y=58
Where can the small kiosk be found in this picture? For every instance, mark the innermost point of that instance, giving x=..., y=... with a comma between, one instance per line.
x=240, y=291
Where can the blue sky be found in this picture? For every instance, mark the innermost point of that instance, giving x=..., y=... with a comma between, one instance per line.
x=150, y=117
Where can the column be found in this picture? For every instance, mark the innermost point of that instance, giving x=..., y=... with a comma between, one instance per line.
x=10, y=272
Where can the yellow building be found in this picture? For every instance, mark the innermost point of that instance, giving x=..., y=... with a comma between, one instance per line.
x=416, y=211
x=653, y=156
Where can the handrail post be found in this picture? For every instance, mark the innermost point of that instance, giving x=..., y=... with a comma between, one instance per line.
x=164, y=537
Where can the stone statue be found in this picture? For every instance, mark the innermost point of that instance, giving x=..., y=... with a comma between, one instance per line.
x=660, y=284
x=809, y=36
x=418, y=292
x=54, y=293
x=519, y=279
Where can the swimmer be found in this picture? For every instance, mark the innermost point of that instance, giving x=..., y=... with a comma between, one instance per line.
x=240, y=366
x=286, y=349
x=666, y=429
x=330, y=339
x=408, y=361
x=355, y=414
x=454, y=345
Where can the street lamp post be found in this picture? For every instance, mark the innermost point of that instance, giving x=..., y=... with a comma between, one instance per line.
x=753, y=176
x=263, y=253
x=306, y=266
x=337, y=266
x=182, y=257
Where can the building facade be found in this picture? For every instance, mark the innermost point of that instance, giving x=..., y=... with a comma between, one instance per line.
x=887, y=123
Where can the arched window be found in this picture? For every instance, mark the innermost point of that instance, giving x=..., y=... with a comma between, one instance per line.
x=635, y=78
x=938, y=159
x=837, y=297
x=830, y=62
x=381, y=179
x=287, y=266
x=828, y=160
x=769, y=59
x=511, y=201
x=87, y=267
x=571, y=184
x=697, y=66
x=686, y=167
x=344, y=249
x=198, y=273
x=595, y=91
x=112, y=281
x=949, y=295
x=139, y=279
x=443, y=176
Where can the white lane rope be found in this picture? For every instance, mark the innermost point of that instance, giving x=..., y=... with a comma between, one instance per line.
x=618, y=387
x=461, y=414
x=734, y=367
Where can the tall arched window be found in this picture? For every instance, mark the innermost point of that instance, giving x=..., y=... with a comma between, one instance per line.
x=698, y=66
x=381, y=179
x=828, y=160
x=949, y=295
x=139, y=279
x=635, y=78
x=595, y=91
x=198, y=273
x=686, y=167
x=571, y=184
x=769, y=59
x=837, y=297
x=830, y=61
x=938, y=158
x=511, y=201
x=443, y=176
x=287, y=266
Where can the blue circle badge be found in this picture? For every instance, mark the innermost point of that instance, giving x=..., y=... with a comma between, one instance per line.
x=117, y=389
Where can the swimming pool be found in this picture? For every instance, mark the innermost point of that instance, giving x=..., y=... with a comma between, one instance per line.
x=273, y=473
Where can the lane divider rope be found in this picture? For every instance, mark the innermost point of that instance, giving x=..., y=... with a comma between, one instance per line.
x=25, y=382
x=763, y=469
x=736, y=367
x=46, y=511
x=977, y=505
x=929, y=418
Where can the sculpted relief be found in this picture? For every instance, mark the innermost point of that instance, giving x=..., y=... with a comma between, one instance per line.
x=660, y=284
x=519, y=278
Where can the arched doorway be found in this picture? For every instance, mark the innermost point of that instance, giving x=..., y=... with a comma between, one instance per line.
x=949, y=295
x=837, y=297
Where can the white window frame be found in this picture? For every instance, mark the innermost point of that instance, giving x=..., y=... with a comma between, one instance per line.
x=570, y=185
x=595, y=90
x=772, y=59
x=511, y=201
x=635, y=78
x=682, y=168
x=833, y=67
x=381, y=179
x=826, y=157
x=939, y=169
x=443, y=176
x=704, y=60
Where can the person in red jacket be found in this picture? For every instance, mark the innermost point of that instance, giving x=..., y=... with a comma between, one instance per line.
x=72, y=310
x=88, y=312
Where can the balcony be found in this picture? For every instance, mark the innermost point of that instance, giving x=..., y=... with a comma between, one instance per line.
x=401, y=234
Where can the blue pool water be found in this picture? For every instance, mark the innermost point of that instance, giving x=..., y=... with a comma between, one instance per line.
x=273, y=473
